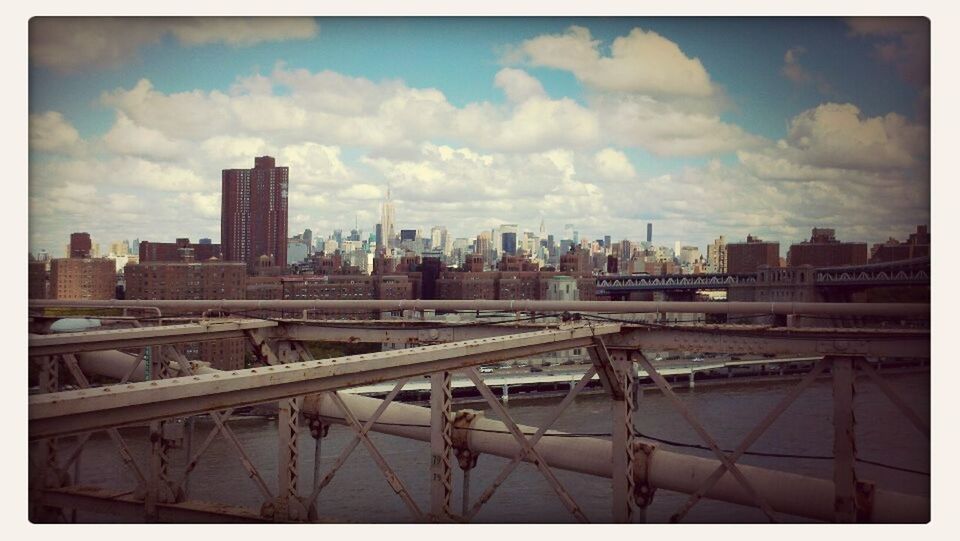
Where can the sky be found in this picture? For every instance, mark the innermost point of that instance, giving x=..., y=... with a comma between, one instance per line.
x=702, y=126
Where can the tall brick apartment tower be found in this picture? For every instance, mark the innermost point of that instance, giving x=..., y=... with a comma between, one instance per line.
x=253, y=217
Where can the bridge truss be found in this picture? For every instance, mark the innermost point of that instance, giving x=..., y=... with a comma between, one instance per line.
x=310, y=394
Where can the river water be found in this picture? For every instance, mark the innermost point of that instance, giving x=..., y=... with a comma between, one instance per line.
x=360, y=493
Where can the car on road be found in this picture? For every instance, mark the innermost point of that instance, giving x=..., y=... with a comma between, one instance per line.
x=536, y=369
x=486, y=369
x=698, y=359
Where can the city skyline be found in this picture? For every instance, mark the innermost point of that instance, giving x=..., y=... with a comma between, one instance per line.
x=605, y=123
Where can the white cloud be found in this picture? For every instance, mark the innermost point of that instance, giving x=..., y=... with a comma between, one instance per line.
x=127, y=138
x=613, y=164
x=518, y=85
x=366, y=192
x=206, y=205
x=642, y=62
x=838, y=135
x=666, y=129
x=51, y=132
x=69, y=44
x=241, y=31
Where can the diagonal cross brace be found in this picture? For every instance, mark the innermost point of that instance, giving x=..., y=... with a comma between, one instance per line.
x=526, y=447
x=73, y=366
x=704, y=435
x=905, y=409
x=348, y=449
x=381, y=462
x=755, y=434
x=605, y=370
x=508, y=469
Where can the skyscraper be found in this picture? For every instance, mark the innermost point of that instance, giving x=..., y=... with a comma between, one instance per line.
x=387, y=225
x=649, y=232
x=253, y=219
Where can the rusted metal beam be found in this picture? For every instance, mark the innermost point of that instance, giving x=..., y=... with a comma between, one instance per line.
x=441, y=446
x=649, y=307
x=74, y=342
x=522, y=454
x=123, y=505
x=844, y=437
x=603, y=364
x=80, y=411
x=527, y=448
x=706, y=437
x=780, y=341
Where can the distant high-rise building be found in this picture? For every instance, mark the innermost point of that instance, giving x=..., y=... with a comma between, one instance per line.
x=606, y=243
x=509, y=245
x=388, y=231
x=80, y=245
x=308, y=238
x=379, y=235
x=717, y=256
x=408, y=234
x=649, y=232
x=253, y=219
x=204, y=240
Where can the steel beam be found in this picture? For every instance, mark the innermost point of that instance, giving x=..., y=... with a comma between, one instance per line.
x=396, y=332
x=441, y=446
x=124, y=505
x=844, y=447
x=84, y=410
x=649, y=307
x=622, y=441
x=784, y=341
x=75, y=342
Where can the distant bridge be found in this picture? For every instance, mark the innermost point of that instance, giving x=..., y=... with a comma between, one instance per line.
x=910, y=272
x=646, y=282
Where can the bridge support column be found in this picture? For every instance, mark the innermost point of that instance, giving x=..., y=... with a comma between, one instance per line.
x=288, y=505
x=163, y=438
x=623, y=431
x=844, y=446
x=693, y=382
x=505, y=395
x=441, y=445
x=45, y=474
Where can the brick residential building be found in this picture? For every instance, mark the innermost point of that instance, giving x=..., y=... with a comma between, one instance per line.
x=80, y=245
x=253, y=219
x=181, y=250
x=208, y=280
x=747, y=257
x=82, y=279
x=917, y=245
x=37, y=278
x=824, y=250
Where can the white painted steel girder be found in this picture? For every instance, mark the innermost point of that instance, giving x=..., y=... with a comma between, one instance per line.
x=788, y=493
x=55, y=344
x=759, y=308
x=71, y=412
